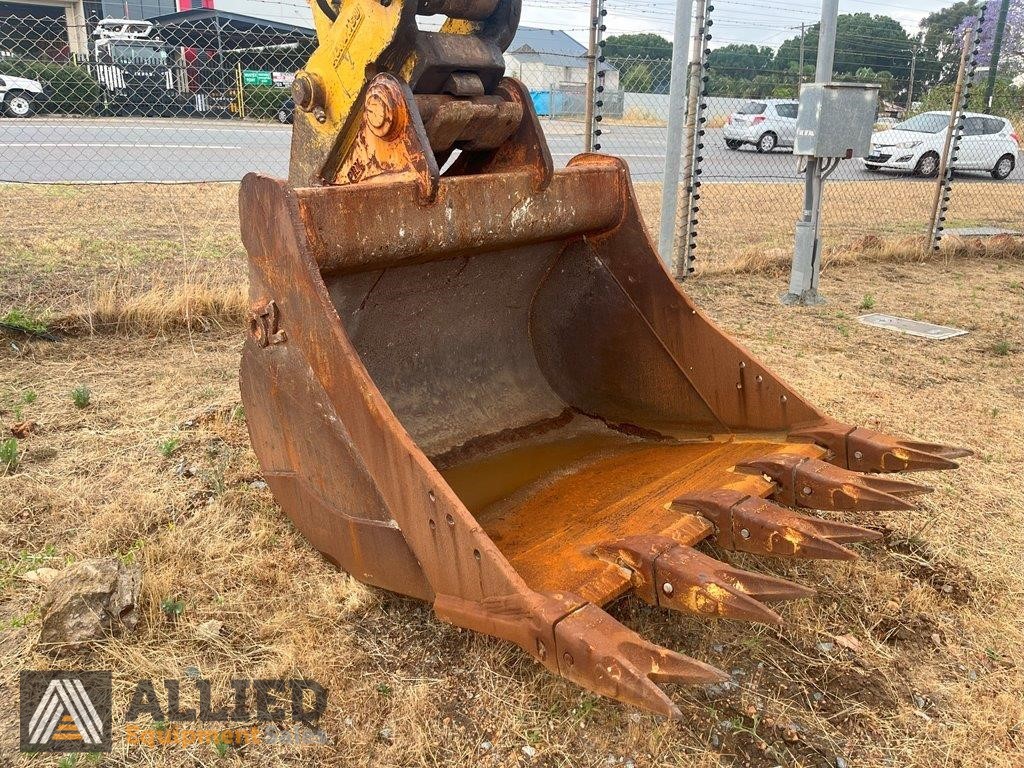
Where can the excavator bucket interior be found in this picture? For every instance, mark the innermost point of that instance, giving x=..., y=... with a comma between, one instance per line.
x=482, y=389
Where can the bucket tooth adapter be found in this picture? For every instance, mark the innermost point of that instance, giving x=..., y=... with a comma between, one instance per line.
x=481, y=388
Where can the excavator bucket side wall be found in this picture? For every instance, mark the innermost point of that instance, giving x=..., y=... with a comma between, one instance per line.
x=296, y=340
x=335, y=503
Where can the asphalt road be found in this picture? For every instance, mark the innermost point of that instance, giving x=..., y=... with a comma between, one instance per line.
x=47, y=149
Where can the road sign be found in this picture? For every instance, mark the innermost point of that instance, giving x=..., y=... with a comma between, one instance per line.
x=256, y=77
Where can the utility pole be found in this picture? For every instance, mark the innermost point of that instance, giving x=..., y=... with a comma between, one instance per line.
x=676, y=124
x=993, y=65
x=910, y=86
x=802, y=32
x=803, y=277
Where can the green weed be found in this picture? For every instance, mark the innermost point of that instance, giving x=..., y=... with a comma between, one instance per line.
x=19, y=320
x=81, y=396
x=8, y=455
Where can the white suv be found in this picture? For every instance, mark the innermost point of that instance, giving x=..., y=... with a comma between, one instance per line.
x=764, y=123
x=988, y=144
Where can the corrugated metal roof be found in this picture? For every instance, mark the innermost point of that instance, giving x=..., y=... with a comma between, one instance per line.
x=551, y=47
x=546, y=41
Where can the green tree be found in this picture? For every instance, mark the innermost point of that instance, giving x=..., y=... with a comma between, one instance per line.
x=878, y=43
x=650, y=55
x=741, y=61
x=638, y=78
x=1007, y=101
x=639, y=46
x=887, y=83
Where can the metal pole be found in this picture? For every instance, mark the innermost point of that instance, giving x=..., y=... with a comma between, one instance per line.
x=676, y=119
x=826, y=41
x=240, y=91
x=993, y=65
x=954, y=115
x=803, y=277
x=588, y=109
x=802, y=33
x=910, y=85
x=684, y=212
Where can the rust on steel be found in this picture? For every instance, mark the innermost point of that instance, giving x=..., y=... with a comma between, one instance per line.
x=816, y=484
x=675, y=576
x=864, y=450
x=745, y=523
x=480, y=388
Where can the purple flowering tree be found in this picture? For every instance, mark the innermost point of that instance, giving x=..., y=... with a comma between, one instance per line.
x=1012, y=49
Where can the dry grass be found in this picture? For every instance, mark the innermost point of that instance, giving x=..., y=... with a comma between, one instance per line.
x=932, y=677
x=637, y=116
x=195, y=304
x=71, y=248
x=743, y=221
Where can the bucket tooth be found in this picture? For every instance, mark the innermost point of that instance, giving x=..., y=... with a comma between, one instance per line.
x=675, y=576
x=751, y=524
x=864, y=450
x=600, y=654
x=815, y=484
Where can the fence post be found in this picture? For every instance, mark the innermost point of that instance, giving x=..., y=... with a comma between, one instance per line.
x=684, y=219
x=594, y=77
x=803, y=276
x=944, y=178
x=676, y=119
x=240, y=91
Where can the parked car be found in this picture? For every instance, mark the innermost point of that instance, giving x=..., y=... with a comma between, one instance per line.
x=988, y=144
x=19, y=95
x=286, y=112
x=763, y=123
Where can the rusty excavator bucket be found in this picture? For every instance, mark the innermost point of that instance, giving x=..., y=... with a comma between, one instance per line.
x=481, y=388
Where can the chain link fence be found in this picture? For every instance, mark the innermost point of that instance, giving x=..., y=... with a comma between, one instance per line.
x=992, y=122
x=118, y=101
x=751, y=185
x=208, y=100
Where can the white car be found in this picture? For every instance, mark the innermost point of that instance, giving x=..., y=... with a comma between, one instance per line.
x=19, y=95
x=764, y=123
x=988, y=144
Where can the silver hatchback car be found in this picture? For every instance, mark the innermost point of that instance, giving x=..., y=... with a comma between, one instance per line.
x=763, y=123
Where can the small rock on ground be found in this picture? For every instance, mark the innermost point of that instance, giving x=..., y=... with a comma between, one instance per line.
x=89, y=600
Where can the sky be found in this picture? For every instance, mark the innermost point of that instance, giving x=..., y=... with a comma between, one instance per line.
x=761, y=23
x=735, y=21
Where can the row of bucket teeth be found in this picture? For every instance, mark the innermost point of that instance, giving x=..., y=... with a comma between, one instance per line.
x=745, y=523
x=666, y=573
x=864, y=450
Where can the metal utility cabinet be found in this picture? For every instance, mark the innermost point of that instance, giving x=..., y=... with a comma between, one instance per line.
x=835, y=119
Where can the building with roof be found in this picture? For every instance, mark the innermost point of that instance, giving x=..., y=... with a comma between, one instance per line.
x=549, y=59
